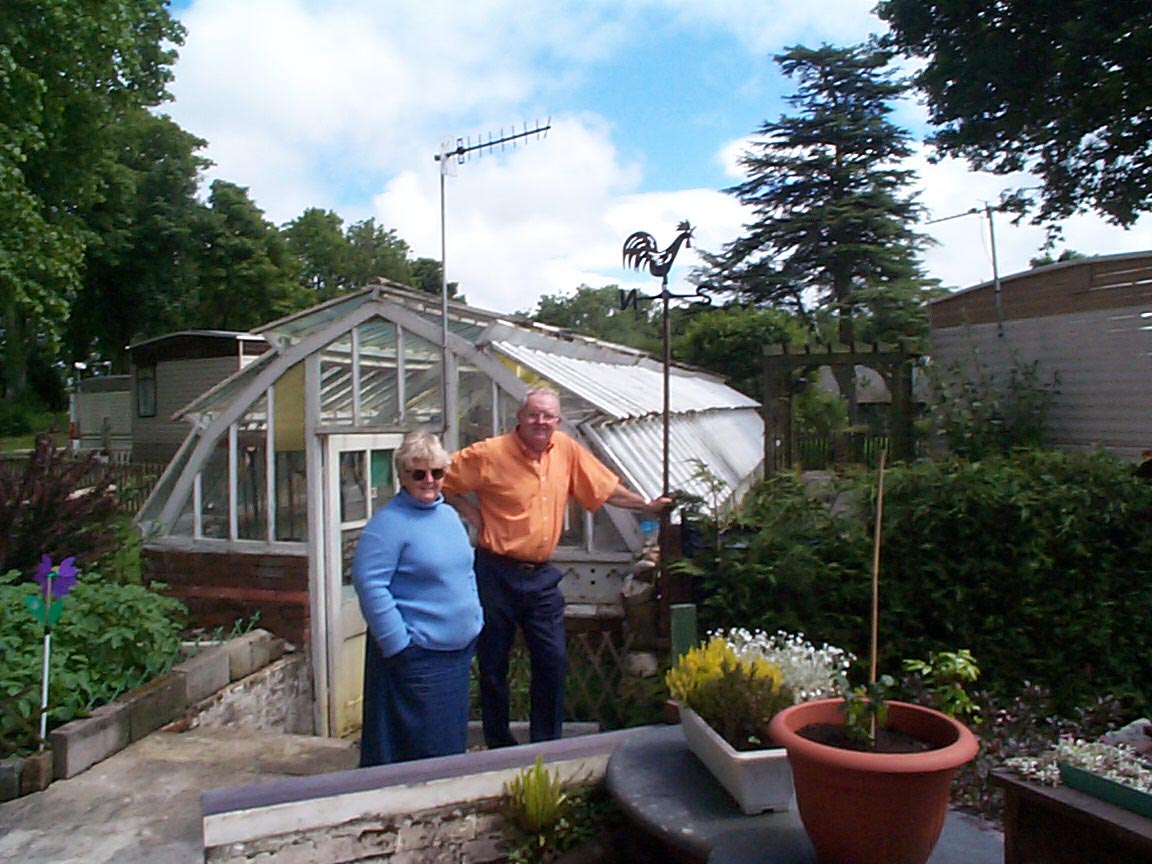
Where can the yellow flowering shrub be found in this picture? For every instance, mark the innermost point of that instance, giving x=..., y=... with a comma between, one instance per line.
x=737, y=696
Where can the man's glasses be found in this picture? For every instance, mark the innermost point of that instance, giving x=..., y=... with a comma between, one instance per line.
x=537, y=417
x=420, y=473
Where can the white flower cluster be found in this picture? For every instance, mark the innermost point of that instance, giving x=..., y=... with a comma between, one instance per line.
x=810, y=672
x=1116, y=762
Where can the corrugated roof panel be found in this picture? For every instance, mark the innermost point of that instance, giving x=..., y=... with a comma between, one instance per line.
x=628, y=390
x=728, y=443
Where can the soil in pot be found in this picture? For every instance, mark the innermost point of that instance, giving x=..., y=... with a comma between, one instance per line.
x=887, y=740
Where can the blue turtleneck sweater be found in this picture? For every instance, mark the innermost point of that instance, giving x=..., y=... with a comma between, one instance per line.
x=413, y=574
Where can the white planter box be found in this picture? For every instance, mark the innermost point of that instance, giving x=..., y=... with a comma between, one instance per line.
x=759, y=780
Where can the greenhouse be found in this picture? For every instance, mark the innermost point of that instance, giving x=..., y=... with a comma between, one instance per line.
x=287, y=458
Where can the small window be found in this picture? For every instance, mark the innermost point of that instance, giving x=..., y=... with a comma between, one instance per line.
x=146, y=391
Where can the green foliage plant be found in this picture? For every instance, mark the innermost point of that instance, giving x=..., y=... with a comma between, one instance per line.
x=947, y=675
x=545, y=819
x=113, y=637
x=865, y=709
x=981, y=412
x=536, y=798
x=1035, y=561
x=788, y=560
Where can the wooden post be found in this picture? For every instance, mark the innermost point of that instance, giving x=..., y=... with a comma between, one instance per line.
x=684, y=634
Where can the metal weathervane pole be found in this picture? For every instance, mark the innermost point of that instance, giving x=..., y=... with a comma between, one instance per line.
x=449, y=156
x=640, y=249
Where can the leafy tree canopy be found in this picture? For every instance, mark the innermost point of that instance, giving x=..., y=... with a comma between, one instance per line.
x=596, y=312
x=730, y=342
x=68, y=72
x=248, y=276
x=1063, y=90
x=139, y=264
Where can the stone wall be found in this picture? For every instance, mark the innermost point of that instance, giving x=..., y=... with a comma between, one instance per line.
x=248, y=682
x=471, y=834
x=445, y=809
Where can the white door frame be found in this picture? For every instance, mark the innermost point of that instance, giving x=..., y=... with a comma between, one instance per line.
x=340, y=652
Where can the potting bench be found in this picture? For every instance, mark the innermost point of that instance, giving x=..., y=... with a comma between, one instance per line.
x=1058, y=825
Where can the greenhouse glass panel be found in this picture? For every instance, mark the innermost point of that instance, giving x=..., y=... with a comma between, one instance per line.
x=336, y=382
x=423, y=384
x=214, y=514
x=291, y=495
x=605, y=537
x=379, y=399
x=474, y=406
x=507, y=406
x=185, y=522
x=163, y=490
x=252, y=473
x=573, y=533
x=383, y=483
x=353, y=486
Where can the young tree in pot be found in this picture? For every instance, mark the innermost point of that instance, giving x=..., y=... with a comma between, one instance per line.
x=863, y=806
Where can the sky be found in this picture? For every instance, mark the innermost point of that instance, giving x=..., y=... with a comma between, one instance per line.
x=344, y=105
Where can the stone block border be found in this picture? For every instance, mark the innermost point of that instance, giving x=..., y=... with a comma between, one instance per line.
x=433, y=809
x=78, y=745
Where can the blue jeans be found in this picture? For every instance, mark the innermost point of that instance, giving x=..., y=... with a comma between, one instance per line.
x=415, y=703
x=529, y=598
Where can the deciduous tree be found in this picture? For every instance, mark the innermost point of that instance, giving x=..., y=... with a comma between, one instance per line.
x=1063, y=90
x=68, y=71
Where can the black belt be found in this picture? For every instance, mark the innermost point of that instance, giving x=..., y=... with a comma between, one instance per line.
x=514, y=563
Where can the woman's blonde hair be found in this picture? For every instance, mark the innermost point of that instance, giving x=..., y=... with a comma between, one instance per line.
x=421, y=446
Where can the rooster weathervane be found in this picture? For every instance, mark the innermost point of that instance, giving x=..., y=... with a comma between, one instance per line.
x=641, y=249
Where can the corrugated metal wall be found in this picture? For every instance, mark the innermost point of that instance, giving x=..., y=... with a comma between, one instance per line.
x=1089, y=324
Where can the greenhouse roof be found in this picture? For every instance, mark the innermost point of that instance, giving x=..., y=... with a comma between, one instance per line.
x=612, y=393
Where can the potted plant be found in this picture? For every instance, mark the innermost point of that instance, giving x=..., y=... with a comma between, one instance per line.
x=729, y=690
x=861, y=799
x=866, y=806
x=1113, y=772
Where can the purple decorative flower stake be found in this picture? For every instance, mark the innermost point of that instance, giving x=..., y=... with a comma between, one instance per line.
x=55, y=583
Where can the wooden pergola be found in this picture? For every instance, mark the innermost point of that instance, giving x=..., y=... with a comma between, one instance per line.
x=893, y=363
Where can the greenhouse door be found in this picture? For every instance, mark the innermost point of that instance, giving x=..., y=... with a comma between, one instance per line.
x=358, y=481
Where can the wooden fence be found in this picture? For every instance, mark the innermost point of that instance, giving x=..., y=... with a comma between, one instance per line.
x=132, y=481
x=600, y=688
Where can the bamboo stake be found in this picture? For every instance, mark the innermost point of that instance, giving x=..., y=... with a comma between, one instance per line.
x=876, y=573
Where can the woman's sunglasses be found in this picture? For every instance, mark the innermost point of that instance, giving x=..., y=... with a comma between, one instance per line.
x=420, y=473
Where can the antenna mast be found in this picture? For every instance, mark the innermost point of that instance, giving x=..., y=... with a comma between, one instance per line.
x=448, y=157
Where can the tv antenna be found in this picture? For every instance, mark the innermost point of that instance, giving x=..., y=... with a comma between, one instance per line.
x=450, y=155
x=987, y=210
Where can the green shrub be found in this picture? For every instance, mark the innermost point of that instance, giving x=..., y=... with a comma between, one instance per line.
x=981, y=412
x=109, y=639
x=1036, y=562
x=786, y=561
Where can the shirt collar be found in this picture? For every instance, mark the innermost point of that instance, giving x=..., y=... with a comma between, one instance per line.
x=525, y=450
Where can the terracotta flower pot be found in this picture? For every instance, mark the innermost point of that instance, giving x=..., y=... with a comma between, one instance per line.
x=873, y=808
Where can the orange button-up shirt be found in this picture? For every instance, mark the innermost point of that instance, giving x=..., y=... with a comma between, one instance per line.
x=522, y=500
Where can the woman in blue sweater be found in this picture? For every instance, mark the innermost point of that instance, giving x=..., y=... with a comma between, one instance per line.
x=413, y=575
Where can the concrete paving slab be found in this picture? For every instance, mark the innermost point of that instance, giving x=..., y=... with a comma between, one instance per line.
x=142, y=805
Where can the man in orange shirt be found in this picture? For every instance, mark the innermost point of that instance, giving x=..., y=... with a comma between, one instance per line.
x=522, y=481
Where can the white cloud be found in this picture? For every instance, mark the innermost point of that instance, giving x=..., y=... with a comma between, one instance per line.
x=342, y=104
x=964, y=254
